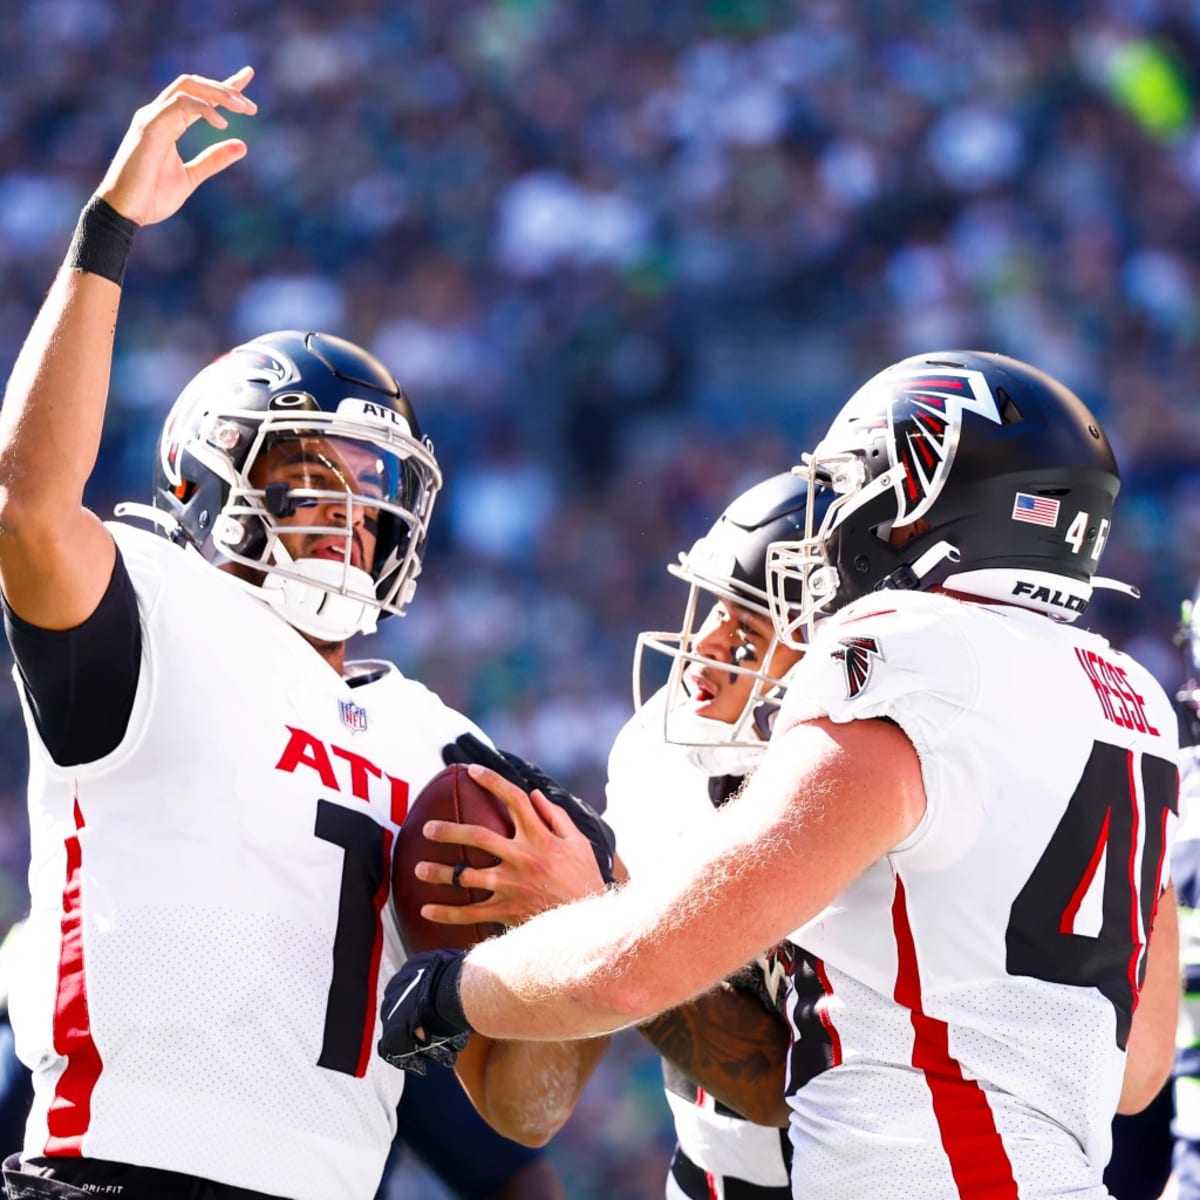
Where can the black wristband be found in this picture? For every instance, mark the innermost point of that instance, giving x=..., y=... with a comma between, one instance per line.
x=447, y=1003
x=102, y=241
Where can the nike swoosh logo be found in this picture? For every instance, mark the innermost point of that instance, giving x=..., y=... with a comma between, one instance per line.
x=403, y=994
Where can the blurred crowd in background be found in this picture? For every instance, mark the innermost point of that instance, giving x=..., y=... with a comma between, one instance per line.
x=627, y=259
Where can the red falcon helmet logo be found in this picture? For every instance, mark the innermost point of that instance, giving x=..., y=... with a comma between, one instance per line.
x=922, y=413
x=925, y=416
x=857, y=655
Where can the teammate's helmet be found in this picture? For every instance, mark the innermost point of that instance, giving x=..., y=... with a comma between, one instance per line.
x=728, y=562
x=961, y=469
x=334, y=403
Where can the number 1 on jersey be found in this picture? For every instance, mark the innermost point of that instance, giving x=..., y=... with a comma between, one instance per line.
x=358, y=943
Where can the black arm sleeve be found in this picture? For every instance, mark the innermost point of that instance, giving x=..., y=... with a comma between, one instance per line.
x=81, y=682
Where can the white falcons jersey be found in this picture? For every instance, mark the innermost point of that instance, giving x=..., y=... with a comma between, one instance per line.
x=980, y=979
x=211, y=929
x=655, y=796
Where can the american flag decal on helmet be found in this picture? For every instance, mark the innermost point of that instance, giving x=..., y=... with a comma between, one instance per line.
x=1035, y=510
x=857, y=655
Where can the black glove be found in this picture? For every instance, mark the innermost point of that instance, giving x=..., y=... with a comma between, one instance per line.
x=424, y=994
x=529, y=778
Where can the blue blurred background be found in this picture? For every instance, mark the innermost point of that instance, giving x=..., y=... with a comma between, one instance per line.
x=627, y=259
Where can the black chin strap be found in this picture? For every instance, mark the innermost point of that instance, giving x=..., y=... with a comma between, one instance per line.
x=903, y=579
x=908, y=576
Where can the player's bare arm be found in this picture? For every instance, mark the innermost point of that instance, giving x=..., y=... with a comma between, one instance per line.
x=55, y=556
x=545, y=863
x=827, y=801
x=1150, y=1052
x=527, y=1090
x=732, y=1047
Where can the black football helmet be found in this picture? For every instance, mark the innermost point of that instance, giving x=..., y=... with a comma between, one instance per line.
x=998, y=474
x=318, y=402
x=729, y=563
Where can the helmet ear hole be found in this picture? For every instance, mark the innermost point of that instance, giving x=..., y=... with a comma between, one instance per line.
x=901, y=535
x=1010, y=414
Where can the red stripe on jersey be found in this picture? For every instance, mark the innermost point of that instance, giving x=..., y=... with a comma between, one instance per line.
x=835, y=1041
x=878, y=612
x=978, y=1160
x=369, y=1017
x=710, y=1180
x=70, y=1111
x=1066, y=922
x=1134, y=891
x=1158, y=891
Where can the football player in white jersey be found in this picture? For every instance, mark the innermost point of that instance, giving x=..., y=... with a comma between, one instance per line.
x=689, y=747
x=964, y=815
x=680, y=757
x=214, y=790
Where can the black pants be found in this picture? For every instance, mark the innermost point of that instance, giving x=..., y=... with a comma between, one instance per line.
x=90, y=1178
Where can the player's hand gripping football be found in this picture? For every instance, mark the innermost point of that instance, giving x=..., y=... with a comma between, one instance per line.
x=548, y=860
x=423, y=1020
x=529, y=777
x=147, y=179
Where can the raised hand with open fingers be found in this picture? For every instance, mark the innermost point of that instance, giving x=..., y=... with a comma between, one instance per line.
x=147, y=180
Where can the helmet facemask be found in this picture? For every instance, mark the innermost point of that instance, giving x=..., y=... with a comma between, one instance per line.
x=723, y=747
x=327, y=517
x=724, y=568
x=807, y=569
x=802, y=582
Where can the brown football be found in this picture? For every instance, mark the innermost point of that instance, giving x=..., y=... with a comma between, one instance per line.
x=451, y=795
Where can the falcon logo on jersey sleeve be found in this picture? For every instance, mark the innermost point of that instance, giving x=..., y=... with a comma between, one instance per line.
x=857, y=655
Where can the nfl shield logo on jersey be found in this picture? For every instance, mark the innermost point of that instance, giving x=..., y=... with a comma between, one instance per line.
x=353, y=717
